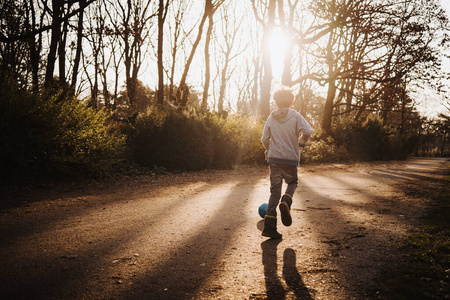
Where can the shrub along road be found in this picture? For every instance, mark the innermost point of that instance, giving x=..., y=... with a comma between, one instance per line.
x=197, y=235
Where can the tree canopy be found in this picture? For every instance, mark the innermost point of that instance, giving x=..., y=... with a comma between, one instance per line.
x=361, y=57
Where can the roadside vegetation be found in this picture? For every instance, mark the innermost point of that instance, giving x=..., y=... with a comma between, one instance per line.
x=424, y=272
x=98, y=88
x=53, y=134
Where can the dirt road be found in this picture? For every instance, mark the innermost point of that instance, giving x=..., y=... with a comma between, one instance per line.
x=197, y=235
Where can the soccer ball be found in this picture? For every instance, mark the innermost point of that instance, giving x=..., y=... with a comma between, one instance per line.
x=262, y=210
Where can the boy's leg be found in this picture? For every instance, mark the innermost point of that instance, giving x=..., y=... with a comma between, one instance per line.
x=276, y=182
x=270, y=220
x=291, y=178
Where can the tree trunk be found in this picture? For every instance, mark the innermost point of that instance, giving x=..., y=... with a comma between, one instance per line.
x=350, y=56
x=223, y=85
x=331, y=94
x=286, y=78
x=329, y=104
x=94, y=88
x=204, y=105
x=35, y=47
x=55, y=38
x=266, y=83
x=62, y=53
x=255, y=87
x=160, y=94
x=76, y=64
x=176, y=35
x=106, y=96
x=181, y=97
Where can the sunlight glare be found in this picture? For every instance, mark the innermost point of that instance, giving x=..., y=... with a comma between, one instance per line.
x=278, y=46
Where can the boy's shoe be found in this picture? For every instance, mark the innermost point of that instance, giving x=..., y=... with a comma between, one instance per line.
x=285, y=209
x=270, y=227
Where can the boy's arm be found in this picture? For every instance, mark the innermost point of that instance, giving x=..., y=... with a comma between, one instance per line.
x=303, y=139
x=305, y=130
x=265, y=139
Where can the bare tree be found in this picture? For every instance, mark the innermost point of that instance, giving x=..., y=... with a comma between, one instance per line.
x=229, y=51
x=37, y=20
x=204, y=103
x=78, y=46
x=180, y=9
x=34, y=42
x=268, y=11
x=183, y=90
x=163, y=8
x=364, y=48
x=132, y=23
x=57, y=11
x=95, y=36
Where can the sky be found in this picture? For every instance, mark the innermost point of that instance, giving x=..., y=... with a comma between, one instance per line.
x=446, y=5
x=429, y=103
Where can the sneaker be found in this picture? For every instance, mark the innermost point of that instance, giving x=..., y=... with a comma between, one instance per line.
x=270, y=227
x=285, y=210
x=272, y=234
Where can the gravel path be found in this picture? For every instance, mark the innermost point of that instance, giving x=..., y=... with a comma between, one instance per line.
x=197, y=235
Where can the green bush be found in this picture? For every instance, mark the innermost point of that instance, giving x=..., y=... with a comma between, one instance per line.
x=52, y=136
x=237, y=139
x=252, y=147
x=366, y=141
x=371, y=140
x=400, y=146
x=321, y=149
x=225, y=142
x=167, y=138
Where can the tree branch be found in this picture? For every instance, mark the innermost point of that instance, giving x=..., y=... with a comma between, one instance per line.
x=5, y=39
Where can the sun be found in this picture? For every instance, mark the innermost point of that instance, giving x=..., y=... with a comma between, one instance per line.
x=277, y=46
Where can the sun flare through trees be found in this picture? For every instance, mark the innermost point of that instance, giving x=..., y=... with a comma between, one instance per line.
x=360, y=64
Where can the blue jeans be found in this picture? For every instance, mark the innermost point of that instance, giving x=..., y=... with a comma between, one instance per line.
x=278, y=173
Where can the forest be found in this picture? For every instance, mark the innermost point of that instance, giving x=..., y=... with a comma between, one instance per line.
x=98, y=87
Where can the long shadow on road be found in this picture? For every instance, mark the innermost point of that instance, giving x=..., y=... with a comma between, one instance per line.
x=274, y=287
x=44, y=274
x=184, y=270
x=181, y=274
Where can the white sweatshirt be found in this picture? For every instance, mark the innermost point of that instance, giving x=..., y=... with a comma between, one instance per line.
x=283, y=131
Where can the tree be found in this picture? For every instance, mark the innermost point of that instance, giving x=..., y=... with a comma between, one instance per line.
x=25, y=25
x=18, y=18
x=177, y=40
x=162, y=14
x=204, y=104
x=79, y=46
x=268, y=9
x=183, y=90
x=388, y=42
x=444, y=129
x=131, y=23
x=228, y=51
x=34, y=42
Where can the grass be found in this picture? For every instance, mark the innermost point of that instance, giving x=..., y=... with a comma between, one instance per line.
x=425, y=271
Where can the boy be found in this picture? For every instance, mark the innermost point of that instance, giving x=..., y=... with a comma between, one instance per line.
x=284, y=133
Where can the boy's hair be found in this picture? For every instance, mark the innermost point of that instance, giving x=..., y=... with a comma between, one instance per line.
x=284, y=97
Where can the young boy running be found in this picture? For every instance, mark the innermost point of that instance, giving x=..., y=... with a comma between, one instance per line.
x=284, y=133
